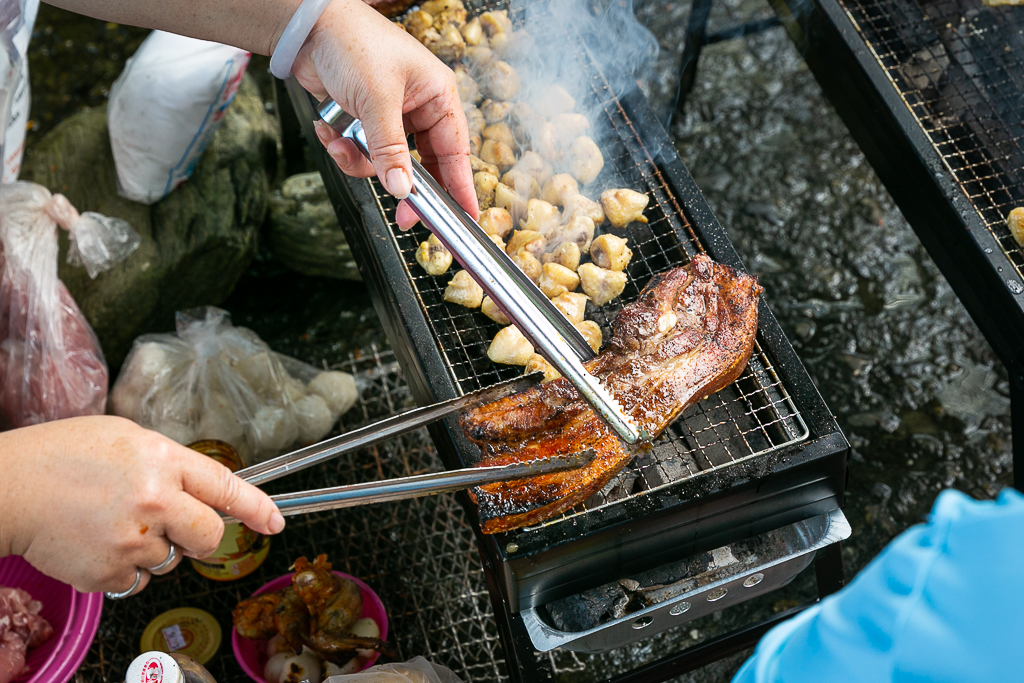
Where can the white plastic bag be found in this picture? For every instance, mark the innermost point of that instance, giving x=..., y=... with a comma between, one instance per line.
x=51, y=365
x=212, y=380
x=164, y=109
x=416, y=670
x=16, y=20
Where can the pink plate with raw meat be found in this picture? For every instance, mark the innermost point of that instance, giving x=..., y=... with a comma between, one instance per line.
x=74, y=616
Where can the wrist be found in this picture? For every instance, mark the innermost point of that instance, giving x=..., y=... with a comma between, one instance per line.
x=9, y=515
x=283, y=13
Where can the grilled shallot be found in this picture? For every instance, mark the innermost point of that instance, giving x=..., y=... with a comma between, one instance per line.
x=688, y=335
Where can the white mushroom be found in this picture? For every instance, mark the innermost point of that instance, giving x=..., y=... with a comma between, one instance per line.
x=600, y=284
x=472, y=32
x=579, y=230
x=491, y=310
x=484, y=183
x=538, y=364
x=498, y=153
x=469, y=90
x=510, y=347
x=1015, y=222
x=556, y=280
x=552, y=100
x=623, y=206
x=464, y=290
x=479, y=56
x=337, y=388
x=495, y=111
x=568, y=127
x=591, y=331
x=313, y=418
x=275, y=429
x=573, y=305
x=567, y=254
x=526, y=240
x=585, y=160
x=535, y=165
x=542, y=218
x=529, y=264
x=610, y=251
x=559, y=188
x=507, y=198
x=495, y=22
x=433, y=257
x=477, y=164
x=474, y=119
x=502, y=133
x=578, y=205
x=501, y=81
x=512, y=46
x=524, y=184
x=496, y=221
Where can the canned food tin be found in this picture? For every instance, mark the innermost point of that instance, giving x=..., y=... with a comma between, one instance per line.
x=241, y=550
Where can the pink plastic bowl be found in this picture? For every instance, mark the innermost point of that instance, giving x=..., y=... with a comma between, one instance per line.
x=252, y=654
x=75, y=617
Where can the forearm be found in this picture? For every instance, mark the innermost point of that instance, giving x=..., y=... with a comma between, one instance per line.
x=253, y=25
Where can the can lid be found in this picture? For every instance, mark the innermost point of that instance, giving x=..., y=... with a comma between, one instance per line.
x=154, y=667
x=186, y=630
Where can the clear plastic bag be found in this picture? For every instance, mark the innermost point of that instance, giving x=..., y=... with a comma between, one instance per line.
x=51, y=365
x=416, y=670
x=212, y=380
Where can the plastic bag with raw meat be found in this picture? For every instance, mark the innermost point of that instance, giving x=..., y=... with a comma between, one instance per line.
x=51, y=365
x=212, y=380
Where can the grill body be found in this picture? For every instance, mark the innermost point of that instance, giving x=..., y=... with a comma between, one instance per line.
x=762, y=453
x=931, y=92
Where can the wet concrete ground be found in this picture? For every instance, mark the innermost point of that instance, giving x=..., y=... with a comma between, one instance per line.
x=914, y=385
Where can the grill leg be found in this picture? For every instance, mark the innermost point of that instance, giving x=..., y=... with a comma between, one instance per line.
x=1017, y=425
x=696, y=39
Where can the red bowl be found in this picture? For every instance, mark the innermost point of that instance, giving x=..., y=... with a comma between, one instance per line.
x=252, y=654
x=74, y=616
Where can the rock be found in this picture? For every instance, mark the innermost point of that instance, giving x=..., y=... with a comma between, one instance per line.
x=196, y=242
x=303, y=231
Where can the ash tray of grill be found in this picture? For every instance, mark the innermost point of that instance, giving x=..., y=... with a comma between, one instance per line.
x=252, y=655
x=634, y=608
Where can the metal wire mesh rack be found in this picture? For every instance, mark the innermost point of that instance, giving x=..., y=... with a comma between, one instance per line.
x=959, y=67
x=418, y=555
x=753, y=417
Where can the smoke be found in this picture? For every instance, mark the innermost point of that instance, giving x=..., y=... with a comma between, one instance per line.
x=590, y=49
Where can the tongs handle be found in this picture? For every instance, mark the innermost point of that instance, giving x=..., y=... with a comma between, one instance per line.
x=420, y=485
x=516, y=295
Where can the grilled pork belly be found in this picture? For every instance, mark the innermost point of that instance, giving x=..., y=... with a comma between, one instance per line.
x=688, y=335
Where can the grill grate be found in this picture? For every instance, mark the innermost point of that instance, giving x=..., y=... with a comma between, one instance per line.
x=959, y=67
x=753, y=416
x=418, y=555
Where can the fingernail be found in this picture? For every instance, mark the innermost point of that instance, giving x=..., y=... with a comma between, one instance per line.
x=276, y=523
x=337, y=151
x=398, y=183
x=322, y=131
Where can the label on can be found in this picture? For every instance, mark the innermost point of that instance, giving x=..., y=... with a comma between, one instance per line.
x=185, y=630
x=241, y=550
x=153, y=667
x=240, y=553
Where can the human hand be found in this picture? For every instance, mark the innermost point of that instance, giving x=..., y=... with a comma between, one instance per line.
x=384, y=77
x=88, y=499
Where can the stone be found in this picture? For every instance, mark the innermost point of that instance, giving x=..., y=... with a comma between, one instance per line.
x=303, y=231
x=196, y=242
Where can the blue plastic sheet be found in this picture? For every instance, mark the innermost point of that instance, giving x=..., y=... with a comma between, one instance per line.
x=943, y=602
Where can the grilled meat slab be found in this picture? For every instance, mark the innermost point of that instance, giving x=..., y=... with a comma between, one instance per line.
x=688, y=335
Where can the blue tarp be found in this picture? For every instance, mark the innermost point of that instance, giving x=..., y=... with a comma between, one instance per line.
x=943, y=602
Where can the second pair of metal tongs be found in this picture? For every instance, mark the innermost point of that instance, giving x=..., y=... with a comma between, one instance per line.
x=516, y=295
x=404, y=487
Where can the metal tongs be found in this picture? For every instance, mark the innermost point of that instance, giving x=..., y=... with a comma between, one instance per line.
x=404, y=487
x=516, y=295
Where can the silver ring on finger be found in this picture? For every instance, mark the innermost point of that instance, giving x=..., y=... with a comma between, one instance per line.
x=172, y=555
x=125, y=594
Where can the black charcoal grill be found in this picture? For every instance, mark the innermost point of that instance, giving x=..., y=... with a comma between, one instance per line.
x=763, y=453
x=933, y=92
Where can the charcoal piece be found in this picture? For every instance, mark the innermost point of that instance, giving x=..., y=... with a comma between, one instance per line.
x=587, y=609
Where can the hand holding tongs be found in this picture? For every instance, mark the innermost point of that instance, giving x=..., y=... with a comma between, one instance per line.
x=405, y=487
x=516, y=295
